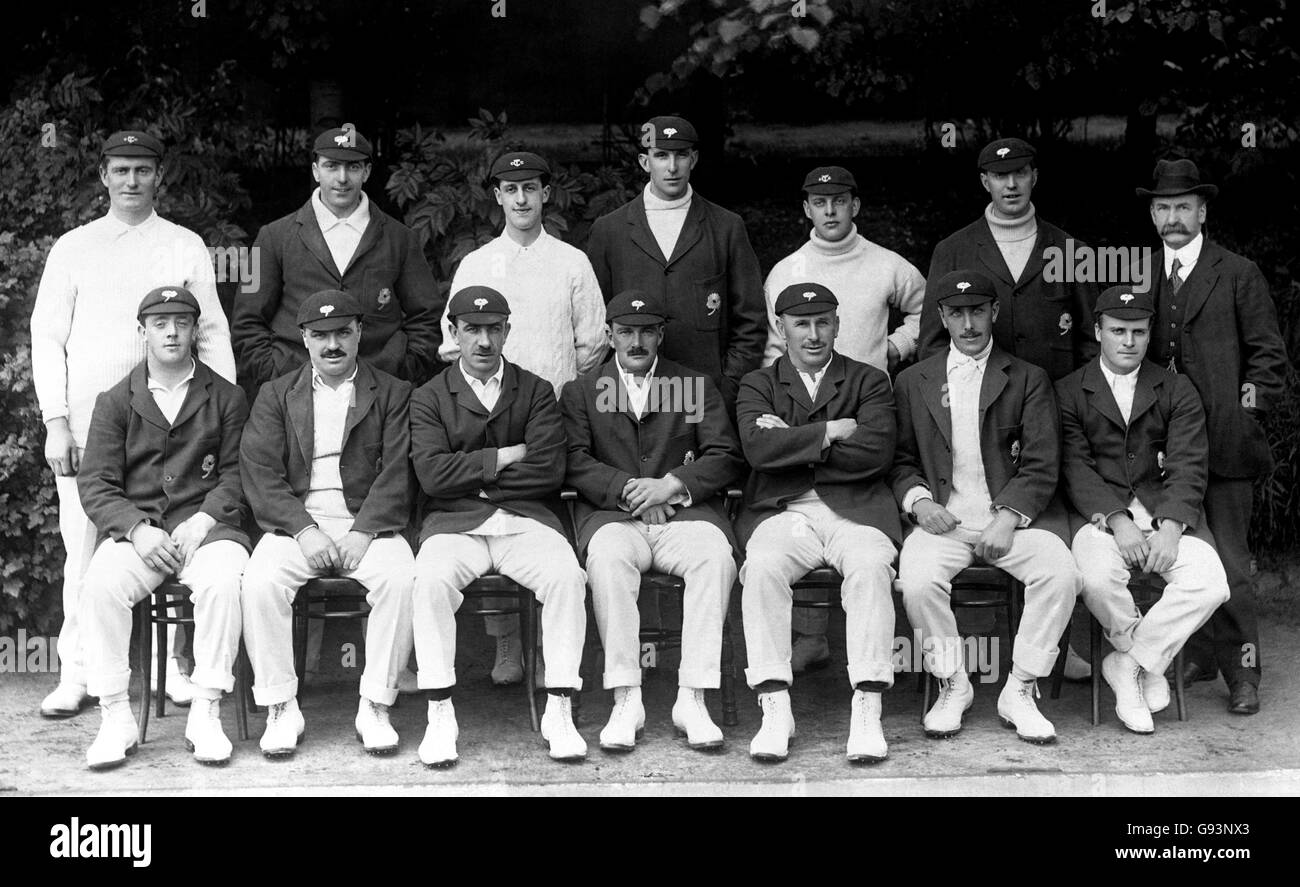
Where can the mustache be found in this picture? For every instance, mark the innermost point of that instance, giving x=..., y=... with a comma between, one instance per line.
x=637, y=352
x=1170, y=229
x=333, y=354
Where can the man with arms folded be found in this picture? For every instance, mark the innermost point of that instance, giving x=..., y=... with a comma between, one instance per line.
x=1135, y=466
x=818, y=429
x=650, y=448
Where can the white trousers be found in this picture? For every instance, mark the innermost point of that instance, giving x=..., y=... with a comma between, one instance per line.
x=1196, y=586
x=1037, y=558
x=79, y=546
x=272, y=578
x=541, y=560
x=695, y=550
x=786, y=546
x=118, y=579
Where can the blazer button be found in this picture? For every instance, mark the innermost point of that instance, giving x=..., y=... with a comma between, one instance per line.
x=645, y=458
x=168, y=479
x=1131, y=457
x=942, y=482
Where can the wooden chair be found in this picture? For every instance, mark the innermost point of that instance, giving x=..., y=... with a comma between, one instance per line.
x=1146, y=589
x=524, y=604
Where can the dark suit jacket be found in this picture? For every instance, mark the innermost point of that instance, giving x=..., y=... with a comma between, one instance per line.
x=850, y=474
x=139, y=466
x=1019, y=437
x=454, y=443
x=1032, y=312
x=609, y=446
x=1229, y=337
x=279, y=443
x=388, y=275
x=717, y=320
x=1161, y=456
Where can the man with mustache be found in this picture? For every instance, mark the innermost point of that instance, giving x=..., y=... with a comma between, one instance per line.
x=326, y=466
x=1135, y=466
x=1215, y=322
x=554, y=301
x=86, y=339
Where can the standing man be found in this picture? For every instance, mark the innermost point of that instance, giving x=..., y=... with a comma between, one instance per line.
x=326, y=465
x=487, y=445
x=85, y=339
x=1135, y=468
x=1215, y=321
x=160, y=478
x=818, y=429
x=872, y=280
x=694, y=255
x=976, y=468
x=338, y=240
x=650, y=449
x=555, y=303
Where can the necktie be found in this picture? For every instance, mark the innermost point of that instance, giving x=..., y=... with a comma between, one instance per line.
x=1175, y=282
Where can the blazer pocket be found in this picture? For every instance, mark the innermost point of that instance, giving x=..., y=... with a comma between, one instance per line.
x=681, y=450
x=707, y=301
x=1008, y=438
x=207, y=451
x=1157, y=456
x=372, y=457
x=378, y=297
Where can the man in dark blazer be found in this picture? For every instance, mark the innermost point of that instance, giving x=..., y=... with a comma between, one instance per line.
x=487, y=444
x=1135, y=467
x=976, y=468
x=671, y=243
x=1048, y=323
x=338, y=240
x=1215, y=322
x=818, y=429
x=326, y=463
x=160, y=481
x=650, y=449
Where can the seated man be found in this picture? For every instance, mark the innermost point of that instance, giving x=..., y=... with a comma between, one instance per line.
x=976, y=467
x=650, y=448
x=325, y=459
x=160, y=480
x=1136, y=462
x=487, y=444
x=818, y=429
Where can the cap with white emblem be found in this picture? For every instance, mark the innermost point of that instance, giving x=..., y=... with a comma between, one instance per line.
x=829, y=180
x=328, y=310
x=168, y=300
x=964, y=287
x=478, y=304
x=519, y=166
x=805, y=298
x=1123, y=303
x=635, y=308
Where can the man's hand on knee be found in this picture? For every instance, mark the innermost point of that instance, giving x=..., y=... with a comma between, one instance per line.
x=156, y=548
x=319, y=550
x=352, y=548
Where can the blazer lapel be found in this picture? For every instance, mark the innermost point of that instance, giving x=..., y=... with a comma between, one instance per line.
x=312, y=238
x=991, y=257
x=1035, y=264
x=995, y=380
x=142, y=401
x=1144, y=393
x=1200, y=282
x=197, y=396
x=641, y=234
x=934, y=380
x=300, y=409
x=374, y=231
x=1100, y=397
x=624, y=401
x=509, y=390
x=789, y=377
x=465, y=396
x=830, y=382
x=363, y=398
x=692, y=230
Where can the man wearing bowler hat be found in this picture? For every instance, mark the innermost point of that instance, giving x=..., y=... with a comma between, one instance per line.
x=160, y=479
x=818, y=429
x=1215, y=322
x=976, y=468
x=650, y=449
x=670, y=242
x=85, y=339
x=338, y=240
x=1135, y=467
x=326, y=466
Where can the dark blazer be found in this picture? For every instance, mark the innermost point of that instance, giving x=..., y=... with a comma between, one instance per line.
x=1020, y=442
x=850, y=474
x=454, y=443
x=139, y=466
x=608, y=446
x=279, y=443
x=1229, y=337
x=712, y=285
x=388, y=275
x=1161, y=456
x=1047, y=324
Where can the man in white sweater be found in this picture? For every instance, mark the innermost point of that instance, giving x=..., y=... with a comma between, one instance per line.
x=869, y=280
x=85, y=339
x=556, y=307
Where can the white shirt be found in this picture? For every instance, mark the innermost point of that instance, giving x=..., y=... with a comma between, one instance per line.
x=341, y=235
x=85, y=337
x=1187, y=254
x=666, y=218
x=170, y=400
x=325, y=501
x=488, y=391
x=812, y=381
x=637, y=394
x=557, y=312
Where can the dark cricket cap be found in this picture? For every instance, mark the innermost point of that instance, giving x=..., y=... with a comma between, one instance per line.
x=341, y=144
x=636, y=308
x=520, y=166
x=1006, y=155
x=963, y=287
x=168, y=300
x=1121, y=302
x=669, y=133
x=328, y=310
x=829, y=180
x=478, y=304
x=805, y=298
x=132, y=143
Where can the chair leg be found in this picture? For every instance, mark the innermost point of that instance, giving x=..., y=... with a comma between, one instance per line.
x=1058, y=668
x=926, y=682
x=300, y=622
x=144, y=652
x=242, y=689
x=528, y=620
x=730, y=714
x=1094, y=651
x=162, y=653
x=1179, y=699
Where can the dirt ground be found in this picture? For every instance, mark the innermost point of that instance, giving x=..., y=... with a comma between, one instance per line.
x=1211, y=753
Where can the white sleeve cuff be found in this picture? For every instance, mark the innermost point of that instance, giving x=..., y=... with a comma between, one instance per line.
x=914, y=495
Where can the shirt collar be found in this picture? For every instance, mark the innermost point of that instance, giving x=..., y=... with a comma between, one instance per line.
x=956, y=358
x=481, y=385
x=654, y=202
x=629, y=380
x=155, y=385
x=119, y=227
x=1112, y=378
x=317, y=383
x=1187, y=254
x=358, y=220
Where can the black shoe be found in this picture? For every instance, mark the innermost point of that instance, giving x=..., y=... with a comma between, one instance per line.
x=1193, y=671
x=1244, y=699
